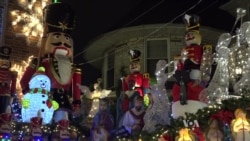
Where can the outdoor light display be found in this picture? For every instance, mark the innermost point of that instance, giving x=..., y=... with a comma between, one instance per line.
x=29, y=18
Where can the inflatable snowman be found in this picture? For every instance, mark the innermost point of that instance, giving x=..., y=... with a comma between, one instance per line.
x=37, y=99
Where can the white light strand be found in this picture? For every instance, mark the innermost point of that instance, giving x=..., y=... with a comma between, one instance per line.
x=20, y=71
x=30, y=18
x=163, y=68
x=218, y=87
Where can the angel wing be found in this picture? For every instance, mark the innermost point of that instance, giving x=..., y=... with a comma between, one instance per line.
x=105, y=93
x=85, y=90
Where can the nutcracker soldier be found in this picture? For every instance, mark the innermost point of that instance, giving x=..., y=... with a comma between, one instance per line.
x=186, y=90
x=5, y=124
x=56, y=56
x=7, y=79
x=136, y=83
x=63, y=130
x=36, y=127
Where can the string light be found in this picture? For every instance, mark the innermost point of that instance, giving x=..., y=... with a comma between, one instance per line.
x=20, y=70
x=30, y=19
x=144, y=37
x=31, y=33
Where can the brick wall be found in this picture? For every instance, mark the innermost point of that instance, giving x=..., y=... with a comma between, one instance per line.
x=21, y=49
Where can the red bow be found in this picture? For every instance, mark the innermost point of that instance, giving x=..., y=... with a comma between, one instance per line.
x=225, y=116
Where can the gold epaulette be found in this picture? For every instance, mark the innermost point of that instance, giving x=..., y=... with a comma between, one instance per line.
x=207, y=47
x=145, y=75
x=77, y=70
x=177, y=57
x=190, y=48
x=14, y=73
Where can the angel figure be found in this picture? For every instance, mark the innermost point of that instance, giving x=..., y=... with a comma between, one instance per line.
x=95, y=95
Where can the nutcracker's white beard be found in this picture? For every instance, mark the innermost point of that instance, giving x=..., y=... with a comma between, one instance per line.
x=64, y=68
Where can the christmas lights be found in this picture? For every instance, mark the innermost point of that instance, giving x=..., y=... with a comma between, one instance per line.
x=37, y=99
x=30, y=18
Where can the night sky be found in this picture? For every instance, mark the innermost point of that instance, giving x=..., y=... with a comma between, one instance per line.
x=96, y=17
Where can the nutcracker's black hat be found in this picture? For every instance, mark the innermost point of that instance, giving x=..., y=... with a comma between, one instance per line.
x=59, y=17
x=192, y=22
x=134, y=55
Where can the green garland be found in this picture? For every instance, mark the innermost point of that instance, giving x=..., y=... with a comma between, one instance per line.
x=202, y=116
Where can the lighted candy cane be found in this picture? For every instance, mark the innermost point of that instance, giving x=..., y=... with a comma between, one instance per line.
x=170, y=74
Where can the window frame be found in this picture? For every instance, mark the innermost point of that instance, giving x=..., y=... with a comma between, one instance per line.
x=4, y=7
x=146, y=52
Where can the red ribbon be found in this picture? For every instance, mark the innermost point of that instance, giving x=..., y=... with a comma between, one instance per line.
x=225, y=116
x=199, y=134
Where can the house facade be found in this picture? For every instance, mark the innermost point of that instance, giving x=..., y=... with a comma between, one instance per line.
x=109, y=52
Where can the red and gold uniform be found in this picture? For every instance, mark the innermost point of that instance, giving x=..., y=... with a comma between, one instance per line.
x=193, y=61
x=36, y=126
x=5, y=123
x=7, y=79
x=140, y=85
x=140, y=80
x=194, y=54
x=56, y=57
x=187, y=90
x=136, y=83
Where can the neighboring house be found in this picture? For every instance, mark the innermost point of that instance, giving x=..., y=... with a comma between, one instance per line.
x=109, y=52
x=3, y=16
x=12, y=35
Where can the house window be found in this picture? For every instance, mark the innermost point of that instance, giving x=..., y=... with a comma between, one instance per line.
x=110, y=70
x=3, y=13
x=156, y=49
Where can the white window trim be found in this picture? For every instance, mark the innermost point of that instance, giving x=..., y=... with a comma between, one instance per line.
x=145, y=50
x=4, y=4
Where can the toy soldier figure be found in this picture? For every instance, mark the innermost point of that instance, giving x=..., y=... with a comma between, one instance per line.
x=36, y=126
x=7, y=79
x=57, y=57
x=186, y=91
x=5, y=124
x=136, y=83
x=133, y=85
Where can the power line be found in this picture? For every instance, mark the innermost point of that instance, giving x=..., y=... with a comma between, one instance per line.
x=155, y=31
x=147, y=11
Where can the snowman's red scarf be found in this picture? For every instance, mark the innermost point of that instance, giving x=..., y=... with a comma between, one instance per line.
x=38, y=90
